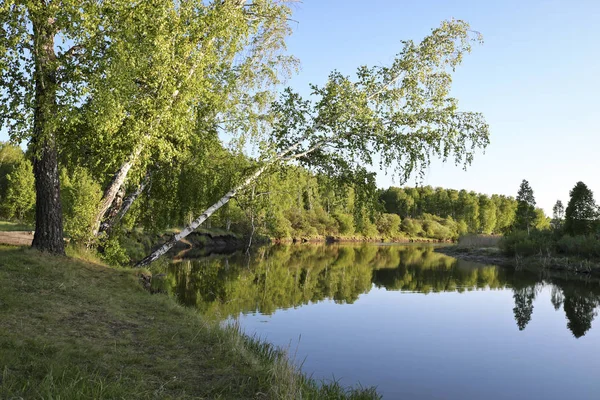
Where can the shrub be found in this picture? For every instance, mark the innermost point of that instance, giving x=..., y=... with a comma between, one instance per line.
x=279, y=227
x=413, y=227
x=80, y=196
x=522, y=244
x=113, y=251
x=19, y=201
x=582, y=246
x=369, y=229
x=345, y=223
x=388, y=224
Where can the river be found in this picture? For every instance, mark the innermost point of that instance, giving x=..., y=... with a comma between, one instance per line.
x=412, y=322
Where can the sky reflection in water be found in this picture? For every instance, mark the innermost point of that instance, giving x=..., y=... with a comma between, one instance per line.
x=414, y=323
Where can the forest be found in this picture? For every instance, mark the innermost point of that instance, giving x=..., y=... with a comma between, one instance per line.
x=291, y=203
x=176, y=115
x=167, y=119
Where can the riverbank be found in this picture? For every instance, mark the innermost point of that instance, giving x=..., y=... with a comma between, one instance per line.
x=204, y=242
x=79, y=329
x=358, y=239
x=493, y=255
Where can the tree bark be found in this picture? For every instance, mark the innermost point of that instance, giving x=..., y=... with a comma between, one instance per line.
x=48, y=209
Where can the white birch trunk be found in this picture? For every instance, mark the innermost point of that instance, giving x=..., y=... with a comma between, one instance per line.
x=115, y=216
x=222, y=201
x=111, y=191
x=198, y=221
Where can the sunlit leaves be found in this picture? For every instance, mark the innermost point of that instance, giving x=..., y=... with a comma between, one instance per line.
x=402, y=112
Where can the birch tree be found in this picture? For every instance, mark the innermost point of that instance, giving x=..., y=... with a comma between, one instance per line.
x=115, y=85
x=172, y=69
x=403, y=113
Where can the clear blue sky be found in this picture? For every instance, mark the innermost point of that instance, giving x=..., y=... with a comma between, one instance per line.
x=536, y=79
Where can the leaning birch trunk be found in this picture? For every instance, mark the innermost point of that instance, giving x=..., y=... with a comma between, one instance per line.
x=115, y=216
x=113, y=188
x=198, y=221
x=224, y=200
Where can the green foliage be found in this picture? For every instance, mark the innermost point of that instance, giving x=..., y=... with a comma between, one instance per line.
x=19, y=199
x=541, y=221
x=403, y=112
x=462, y=228
x=114, y=252
x=583, y=246
x=412, y=227
x=506, y=208
x=345, y=223
x=526, y=214
x=10, y=157
x=581, y=212
x=558, y=214
x=388, y=224
x=80, y=195
x=487, y=215
x=525, y=243
x=547, y=244
x=536, y=237
x=279, y=226
x=471, y=212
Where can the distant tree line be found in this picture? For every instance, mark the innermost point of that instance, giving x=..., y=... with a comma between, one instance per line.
x=470, y=212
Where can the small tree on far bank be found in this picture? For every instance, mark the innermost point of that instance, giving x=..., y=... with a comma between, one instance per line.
x=581, y=212
x=525, y=216
x=558, y=214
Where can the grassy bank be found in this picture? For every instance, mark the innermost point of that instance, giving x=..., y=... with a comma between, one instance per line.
x=74, y=329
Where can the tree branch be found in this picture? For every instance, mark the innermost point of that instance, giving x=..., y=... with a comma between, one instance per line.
x=72, y=52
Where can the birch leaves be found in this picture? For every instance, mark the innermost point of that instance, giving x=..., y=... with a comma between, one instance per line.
x=403, y=112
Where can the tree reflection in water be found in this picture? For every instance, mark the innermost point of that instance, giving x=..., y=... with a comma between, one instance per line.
x=280, y=277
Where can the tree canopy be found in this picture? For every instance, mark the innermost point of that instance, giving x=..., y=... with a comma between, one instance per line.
x=402, y=112
x=525, y=216
x=581, y=212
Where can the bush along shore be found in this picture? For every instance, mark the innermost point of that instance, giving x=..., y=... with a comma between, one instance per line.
x=137, y=243
x=570, y=241
x=74, y=328
x=536, y=250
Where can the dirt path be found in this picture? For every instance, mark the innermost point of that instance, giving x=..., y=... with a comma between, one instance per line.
x=16, y=238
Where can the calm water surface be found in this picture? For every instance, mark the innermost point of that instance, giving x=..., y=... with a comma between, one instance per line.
x=414, y=323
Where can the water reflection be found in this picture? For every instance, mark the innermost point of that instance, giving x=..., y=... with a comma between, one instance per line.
x=280, y=277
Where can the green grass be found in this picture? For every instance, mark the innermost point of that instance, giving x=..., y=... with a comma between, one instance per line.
x=7, y=226
x=75, y=329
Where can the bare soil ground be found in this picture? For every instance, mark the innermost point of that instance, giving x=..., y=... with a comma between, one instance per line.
x=16, y=238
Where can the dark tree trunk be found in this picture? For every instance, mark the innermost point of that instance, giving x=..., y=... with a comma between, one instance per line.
x=48, y=210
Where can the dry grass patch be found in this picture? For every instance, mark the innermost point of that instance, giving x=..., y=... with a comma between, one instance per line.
x=479, y=241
